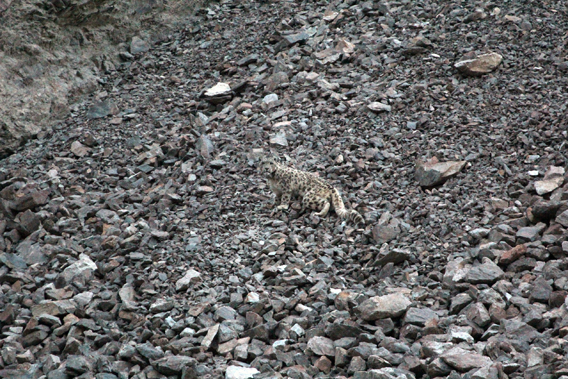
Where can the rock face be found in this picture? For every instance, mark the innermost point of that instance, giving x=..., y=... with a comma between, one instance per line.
x=44, y=76
x=138, y=240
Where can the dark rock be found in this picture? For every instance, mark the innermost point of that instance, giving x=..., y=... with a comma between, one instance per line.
x=173, y=364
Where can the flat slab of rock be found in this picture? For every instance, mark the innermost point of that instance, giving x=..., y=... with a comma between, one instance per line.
x=419, y=316
x=321, y=346
x=486, y=273
x=191, y=276
x=388, y=306
x=375, y=106
x=553, y=178
x=432, y=172
x=173, y=364
x=464, y=360
x=218, y=90
x=480, y=65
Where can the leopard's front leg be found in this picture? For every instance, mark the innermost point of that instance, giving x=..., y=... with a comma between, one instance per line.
x=285, y=200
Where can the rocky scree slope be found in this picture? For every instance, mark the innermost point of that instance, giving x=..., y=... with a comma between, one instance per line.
x=136, y=241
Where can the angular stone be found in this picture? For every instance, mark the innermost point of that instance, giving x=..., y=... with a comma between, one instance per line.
x=323, y=364
x=297, y=37
x=485, y=273
x=553, y=178
x=84, y=268
x=127, y=295
x=28, y=222
x=384, y=373
x=459, y=302
x=275, y=80
x=150, y=352
x=162, y=305
x=480, y=65
x=321, y=346
x=77, y=364
x=531, y=233
x=540, y=291
x=79, y=149
x=357, y=364
x=210, y=336
x=99, y=110
x=420, y=316
x=336, y=331
x=218, y=89
x=388, y=306
x=477, y=314
x=545, y=210
x=464, y=360
x=513, y=254
x=173, y=364
x=191, y=276
x=432, y=172
x=562, y=219
x=138, y=45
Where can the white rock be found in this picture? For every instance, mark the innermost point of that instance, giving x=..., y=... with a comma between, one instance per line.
x=270, y=98
x=191, y=276
x=375, y=106
x=236, y=372
x=252, y=297
x=218, y=89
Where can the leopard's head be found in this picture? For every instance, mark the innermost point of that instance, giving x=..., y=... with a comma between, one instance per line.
x=268, y=165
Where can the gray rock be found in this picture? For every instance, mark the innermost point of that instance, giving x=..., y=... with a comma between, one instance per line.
x=99, y=110
x=553, y=178
x=562, y=219
x=138, y=45
x=83, y=268
x=540, y=291
x=531, y=233
x=210, y=336
x=275, y=80
x=464, y=360
x=477, y=314
x=108, y=216
x=162, y=305
x=485, y=273
x=379, y=107
x=77, y=364
x=459, y=302
x=297, y=37
x=191, y=276
x=388, y=306
x=432, y=172
x=149, y=352
x=480, y=65
x=79, y=150
x=27, y=223
x=321, y=346
x=384, y=373
x=419, y=316
x=173, y=364
x=127, y=295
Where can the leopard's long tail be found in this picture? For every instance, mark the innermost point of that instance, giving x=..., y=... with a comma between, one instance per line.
x=339, y=207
